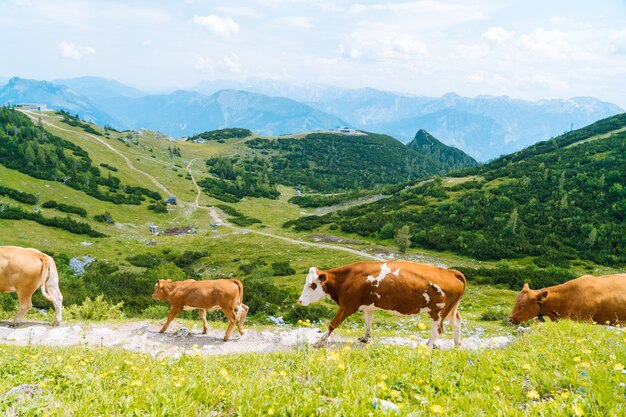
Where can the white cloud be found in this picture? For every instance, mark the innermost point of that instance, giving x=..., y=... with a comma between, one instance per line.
x=71, y=51
x=222, y=26
x=381, y=44
x=555, y=44
x=498, y=35
x=294, y=22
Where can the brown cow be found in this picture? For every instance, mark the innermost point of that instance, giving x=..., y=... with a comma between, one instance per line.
x=225, y=294
x=588, y=298
x=24, y=270
x=400, y=287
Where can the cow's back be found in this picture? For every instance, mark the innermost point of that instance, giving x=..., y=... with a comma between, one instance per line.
x=400, y=286
x=20, y=267
x=600, y=299
x=205, y=293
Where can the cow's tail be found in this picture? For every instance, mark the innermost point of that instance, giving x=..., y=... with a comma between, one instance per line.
x=50, y=285
x=240, y=305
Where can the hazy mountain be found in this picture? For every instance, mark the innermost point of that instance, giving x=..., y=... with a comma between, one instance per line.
x=19, y=90
x=97, y=88
x=184, y=113
x=3, y=81
x=484, y=127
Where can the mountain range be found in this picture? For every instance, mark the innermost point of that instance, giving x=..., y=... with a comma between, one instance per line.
x=484, y=127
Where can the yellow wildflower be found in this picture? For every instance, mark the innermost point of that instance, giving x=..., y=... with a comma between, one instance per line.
x=270, y=411
x=421, y=326
x=618, y=367
x=526, y=366
x=496, y=388
x=578, y=411
x=436, y=409
x=532, y=394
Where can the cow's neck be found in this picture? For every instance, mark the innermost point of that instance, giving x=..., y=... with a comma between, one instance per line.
x=552, y=304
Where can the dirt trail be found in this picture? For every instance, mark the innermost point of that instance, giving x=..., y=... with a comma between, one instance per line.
x=214, y=213
x=143, y=337
x=102, y=142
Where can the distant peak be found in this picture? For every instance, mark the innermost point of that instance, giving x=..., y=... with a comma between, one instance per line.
x=422, y=137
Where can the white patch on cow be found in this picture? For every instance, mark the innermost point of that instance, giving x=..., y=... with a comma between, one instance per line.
x=396, y=272
x=439, y=290
x=384, y=271
x=370, y=307
x=424, y=310
x=310, y=295
x=188, y=308
x=426, y=297
x=441, y=305
x=377, y=295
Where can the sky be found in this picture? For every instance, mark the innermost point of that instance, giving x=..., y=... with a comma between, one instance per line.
x=528, y=49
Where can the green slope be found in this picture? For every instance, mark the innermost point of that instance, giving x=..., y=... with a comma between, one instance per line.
x=553, y=201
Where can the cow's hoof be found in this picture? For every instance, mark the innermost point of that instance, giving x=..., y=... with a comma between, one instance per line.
x=319, y=345
x=13, y=324
x=226, y=339
x=56, y=323
x=364, y=339
x=204, y=331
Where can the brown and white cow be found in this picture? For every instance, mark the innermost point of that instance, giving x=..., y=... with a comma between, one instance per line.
x=399, y=287
x=24, y=270
x=592, y=299
x=224, y=294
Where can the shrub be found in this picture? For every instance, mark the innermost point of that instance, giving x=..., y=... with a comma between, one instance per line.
x=95, y=310
x=493, y=314
x=282, y=269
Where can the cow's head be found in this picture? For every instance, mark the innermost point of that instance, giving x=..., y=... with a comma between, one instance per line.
x=160, y=290
x=314, y=287
x=527, y=305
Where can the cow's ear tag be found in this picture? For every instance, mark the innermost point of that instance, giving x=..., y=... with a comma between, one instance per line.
x=322, y=278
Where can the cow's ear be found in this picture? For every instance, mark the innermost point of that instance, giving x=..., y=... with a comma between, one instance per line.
x=542, y=295
x=160, y=283
x=525, y=287
x=322, y=278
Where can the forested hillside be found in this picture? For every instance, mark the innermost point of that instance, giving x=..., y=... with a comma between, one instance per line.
x=32, y=150
x=556, y=201
x=329, y=162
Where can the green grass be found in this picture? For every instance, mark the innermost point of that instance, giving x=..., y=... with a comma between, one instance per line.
x=558, y=369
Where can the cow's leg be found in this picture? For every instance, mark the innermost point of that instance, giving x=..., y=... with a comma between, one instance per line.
x=232, y=319
x=242, y=312
x=173, y=312
x=455, y=319
x=435, y=326
x=25, y=300
x=341, y=315
x=205, y=324
x=369, y=317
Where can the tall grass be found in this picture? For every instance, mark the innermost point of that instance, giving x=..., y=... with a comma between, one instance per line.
x=557, y=369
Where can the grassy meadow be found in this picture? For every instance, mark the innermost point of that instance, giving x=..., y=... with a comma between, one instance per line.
x=565, y=369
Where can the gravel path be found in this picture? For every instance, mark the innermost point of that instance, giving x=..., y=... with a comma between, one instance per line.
x=143, y=337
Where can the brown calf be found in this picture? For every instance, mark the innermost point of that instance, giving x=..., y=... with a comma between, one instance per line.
x=593, y=299
x=400, y=287
x=225, y=294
